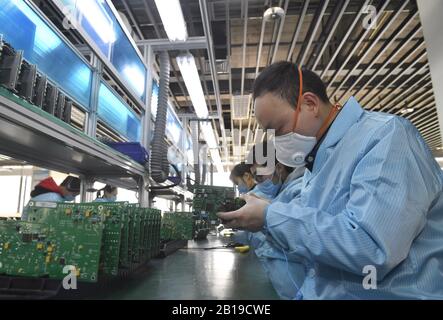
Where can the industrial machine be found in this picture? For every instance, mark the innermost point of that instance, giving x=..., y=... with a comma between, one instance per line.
x=23, y=79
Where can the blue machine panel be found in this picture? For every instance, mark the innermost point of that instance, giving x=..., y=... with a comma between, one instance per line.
x=25, y=30
x=97, y=19
x=120, y=117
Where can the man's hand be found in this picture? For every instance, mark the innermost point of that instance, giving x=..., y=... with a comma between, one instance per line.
x=250, y=217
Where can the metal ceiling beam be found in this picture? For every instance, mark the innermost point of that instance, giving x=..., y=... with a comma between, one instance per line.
x=133, y=20
x=245, y=35
x=404, y=60
x=318, y=20
x=368, y=50
x=330, y=33
x=433, y=139
x=274, y=37
x=417, y=86
x=257, y=68
x=350, y=54
x=420, y=116
x=228, y=44
x=346, y=36
x=413, y=103
x=151, y=18
x=298, y=29
x=422, y=119
x=406, y=41
x=401, y=74
x=431, y=129
x=211, y=55
x=165, y=44
x=280, y=31
x=431, y=117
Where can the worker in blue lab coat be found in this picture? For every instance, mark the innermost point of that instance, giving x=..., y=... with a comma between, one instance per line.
x=48, y=191
x=242, y=177
x=281, y=183
x=107, y=194
x=368, y=221
x=270, y=176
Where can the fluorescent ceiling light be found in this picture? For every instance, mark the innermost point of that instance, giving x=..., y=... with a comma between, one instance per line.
x=208, y=133
x=406, y=110
x=96, y=15
x=188, y=69
x=172, y=17
x=215, y=155
x=209, y=136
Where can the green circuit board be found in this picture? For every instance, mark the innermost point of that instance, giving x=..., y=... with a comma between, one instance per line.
x=114, y=214
x=74, y=237
x=178, y=226
x=22, y=248
x=96, y=238
x=208, y=200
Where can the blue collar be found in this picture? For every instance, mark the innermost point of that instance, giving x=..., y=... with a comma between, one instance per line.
x=348, y=116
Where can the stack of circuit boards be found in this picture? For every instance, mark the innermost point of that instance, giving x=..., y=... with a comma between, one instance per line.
x=208, y=200
x=97, y=239
x=183, y=226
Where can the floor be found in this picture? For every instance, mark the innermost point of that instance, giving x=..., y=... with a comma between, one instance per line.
x=193, y=273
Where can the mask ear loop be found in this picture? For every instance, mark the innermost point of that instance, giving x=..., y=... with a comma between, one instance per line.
x=300, y=96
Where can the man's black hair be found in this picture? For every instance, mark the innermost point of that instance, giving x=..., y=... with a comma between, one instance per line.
x=240, y=169
x=71, y=184
x=282, y=79
x=107, y=189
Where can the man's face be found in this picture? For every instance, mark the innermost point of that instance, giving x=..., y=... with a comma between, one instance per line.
x=274, y=113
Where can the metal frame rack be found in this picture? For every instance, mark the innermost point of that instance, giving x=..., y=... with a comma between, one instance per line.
x=27, y=133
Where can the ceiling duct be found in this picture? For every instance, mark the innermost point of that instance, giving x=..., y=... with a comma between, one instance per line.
x=240, y=106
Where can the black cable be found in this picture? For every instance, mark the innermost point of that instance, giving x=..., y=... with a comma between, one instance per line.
x=170, y=185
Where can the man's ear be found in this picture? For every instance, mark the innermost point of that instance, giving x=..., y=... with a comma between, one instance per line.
x=312, y=102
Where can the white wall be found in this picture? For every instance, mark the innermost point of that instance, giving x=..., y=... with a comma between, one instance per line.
x=11, y=204
x=431, y=12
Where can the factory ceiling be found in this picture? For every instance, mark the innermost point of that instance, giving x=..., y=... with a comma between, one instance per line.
x=384, y=66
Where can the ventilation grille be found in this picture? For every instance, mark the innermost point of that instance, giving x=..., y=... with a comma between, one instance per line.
x=240, y=107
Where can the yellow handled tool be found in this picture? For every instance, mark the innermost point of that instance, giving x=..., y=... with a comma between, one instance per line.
x=242, y=249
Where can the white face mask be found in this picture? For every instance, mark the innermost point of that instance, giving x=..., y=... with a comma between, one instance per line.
x=292, y=149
